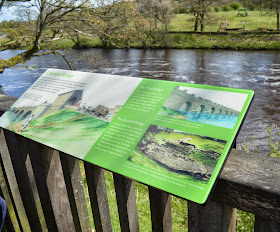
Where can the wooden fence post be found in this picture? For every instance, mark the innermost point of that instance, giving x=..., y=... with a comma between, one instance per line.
x=160, y=205
x=265, y=225
x=213, y=217
x=11, y=181
x=12, y=220
x=18, y=158
x=125, y=194
x=57, y=188
x=75, y=190
x=98, y=198
x=41, y=183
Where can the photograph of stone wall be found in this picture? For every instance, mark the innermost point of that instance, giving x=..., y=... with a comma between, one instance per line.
x=218, y=108
x=189, y=156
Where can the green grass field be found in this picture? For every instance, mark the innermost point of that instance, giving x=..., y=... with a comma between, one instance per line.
x=254, y=20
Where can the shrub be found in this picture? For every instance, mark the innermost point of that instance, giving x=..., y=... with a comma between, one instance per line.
x=183, y=11
x=193, y=9
x=235, y=5
x=176, y=10
x=209, y=9
x=11, y=36
x=227, y=8
x=252, y=7
x=217, y=8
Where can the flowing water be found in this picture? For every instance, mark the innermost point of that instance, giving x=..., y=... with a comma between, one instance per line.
x=259, y=71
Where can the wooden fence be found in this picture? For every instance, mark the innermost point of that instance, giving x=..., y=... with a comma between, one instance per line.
x=44, y=191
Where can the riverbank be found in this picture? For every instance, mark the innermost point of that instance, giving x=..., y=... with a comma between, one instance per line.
x=182, y=40
x=245, y=40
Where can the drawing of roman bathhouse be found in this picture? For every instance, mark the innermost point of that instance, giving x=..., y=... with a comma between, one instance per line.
x=180, y=100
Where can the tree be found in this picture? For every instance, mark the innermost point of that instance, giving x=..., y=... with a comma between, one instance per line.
x=17, y=32
x=274, y=5
x=2, y=4
x=159, y=13
x=199, y=9
x=9, y=2
x=46, y=13
x=119, y=23
x=235, y=5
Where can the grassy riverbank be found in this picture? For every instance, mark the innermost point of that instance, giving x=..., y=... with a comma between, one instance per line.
x=181, y=40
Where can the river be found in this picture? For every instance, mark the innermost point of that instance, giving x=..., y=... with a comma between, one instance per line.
x=259, y=71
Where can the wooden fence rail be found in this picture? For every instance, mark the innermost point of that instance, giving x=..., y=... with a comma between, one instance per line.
x=44, y=191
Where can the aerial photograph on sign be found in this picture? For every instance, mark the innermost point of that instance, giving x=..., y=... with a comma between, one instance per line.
x=212, y=107
x=70, y=120
x=188, y=156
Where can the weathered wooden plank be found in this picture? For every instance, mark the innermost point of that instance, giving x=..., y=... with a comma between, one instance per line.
x=8, y=224
x=75, y=190
x=18, y=158
x=213, y=217
x=232, y=225
x=12, y=183
x=11, y=221
x=41, y=184
x=98, y=197
x=57, y=189
x=125, y=194
x=264, y=225
x=250, y=182
x=36, y=194
x=160, y=206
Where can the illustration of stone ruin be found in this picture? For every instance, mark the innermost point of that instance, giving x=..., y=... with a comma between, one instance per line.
x=68, y=100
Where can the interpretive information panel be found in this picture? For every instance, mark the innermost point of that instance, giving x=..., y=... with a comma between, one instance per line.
x=170, y=135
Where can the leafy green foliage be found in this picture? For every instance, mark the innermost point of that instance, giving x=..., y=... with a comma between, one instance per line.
x=273, y=145
x=245, y=221
x=227, y=8
x=217, y=8
x=235, y=5
x=11, y=62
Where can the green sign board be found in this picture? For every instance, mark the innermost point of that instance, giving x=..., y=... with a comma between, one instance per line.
x=171, y=135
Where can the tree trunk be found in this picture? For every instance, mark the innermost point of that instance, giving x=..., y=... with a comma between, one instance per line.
x=196, y=22
x=1, y=4
x=202, y=22
x=277, y=14
x=28, y=54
